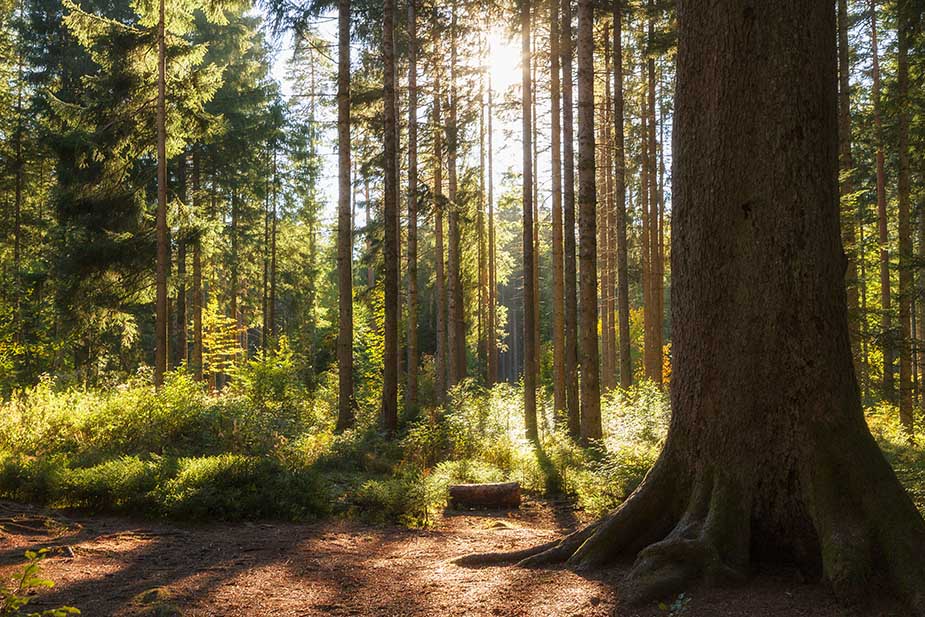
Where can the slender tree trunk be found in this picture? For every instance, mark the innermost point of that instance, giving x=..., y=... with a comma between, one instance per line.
x=620, y=222
x=572, y=399
x=558, y=272
x=180, y=348
x=492, y=276
x=441, y=362
x=537, y=345
x=587, y=202
x=457, y=333
x=764, y=460
x=411, y=394
x=482, y=248
x=274, y=218
x=610, y=249
x=197, y=277
x=528, y=242
x=846, y=171
x=163, y=246
x=345, y=405
x=654, y=352
x=906, y=258
x=886, y=317
x=920, y=307
x=390, y=225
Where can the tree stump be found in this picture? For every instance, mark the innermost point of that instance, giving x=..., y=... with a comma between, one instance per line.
x=498, y=495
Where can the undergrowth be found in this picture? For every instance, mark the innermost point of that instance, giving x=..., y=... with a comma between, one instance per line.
x=265, y=448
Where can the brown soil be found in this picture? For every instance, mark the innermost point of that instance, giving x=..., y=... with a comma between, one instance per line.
x=109, y=566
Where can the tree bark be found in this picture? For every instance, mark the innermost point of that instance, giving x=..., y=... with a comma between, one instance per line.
x=528, y=277
x=654, y=312
x=197, y=277
x=345, y=404
x=886, y=315
x=390, y=224
x=906, y=258
x=846, y=170
x=572, y=398
x=587, y=203
x=623, y=318
x=768, y=455
x=440, y=364
x=558, y=272
x=456, y=339
x=163, y=243
x=492, y=275
x=182, y=335
x=411, y=394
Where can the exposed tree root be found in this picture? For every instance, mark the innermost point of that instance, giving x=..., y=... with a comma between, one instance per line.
x=682, y=533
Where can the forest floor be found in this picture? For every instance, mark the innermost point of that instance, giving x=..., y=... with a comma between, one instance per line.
x=113, y=566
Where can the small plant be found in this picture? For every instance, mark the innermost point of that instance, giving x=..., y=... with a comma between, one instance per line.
x=30, y=579
x=678, y=607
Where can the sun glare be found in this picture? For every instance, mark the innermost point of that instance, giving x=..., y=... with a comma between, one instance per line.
x=503, y=59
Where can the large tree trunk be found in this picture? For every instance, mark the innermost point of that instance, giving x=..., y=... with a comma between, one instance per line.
x=528, y=275
x=163, y=243
x=886, y=316
x=587, y=203
x=653, y=316
x=180, y=325
x=411, y=393
x=558, y=272
x=345, y=407
x=572, y=399
x=623, y=303
x=390, y=224
x=768, y=455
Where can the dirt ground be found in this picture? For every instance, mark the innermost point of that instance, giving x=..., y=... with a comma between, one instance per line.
x=109, y=566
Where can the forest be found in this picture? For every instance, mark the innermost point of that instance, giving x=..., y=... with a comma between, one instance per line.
x=508, y=307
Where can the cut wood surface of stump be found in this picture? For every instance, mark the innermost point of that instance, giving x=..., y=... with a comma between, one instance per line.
x=498, y=495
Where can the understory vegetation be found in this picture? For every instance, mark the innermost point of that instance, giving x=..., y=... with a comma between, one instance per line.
x=265, y=447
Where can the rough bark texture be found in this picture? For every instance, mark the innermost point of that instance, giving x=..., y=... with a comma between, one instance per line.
x=528, y=277
x=572, y=399
x=345, y=410
x=768, y=455
x=653, y=314
x=587, y=202
x=882, y=223
x=411, y=392
x=182, y=335
x=492, y=276
x=623, y=303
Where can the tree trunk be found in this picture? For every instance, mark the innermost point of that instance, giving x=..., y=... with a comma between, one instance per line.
x=654, y=316
x=572, y=399
x=587, y=203
x=906, y=259
x=411, y=394
x=197, y=277
x=163, y=248
x=481, y=306
x=182, y=336
x=492, y=276
x=390, y=225
x=441, y=360
x=610, y=378
x=623, y=308
x=846, y=170
x=886, y=317
x=456, y=339
x=274, y=216
x=558, y=273
x=768, y=455
x=528, y=242
x=345, y=405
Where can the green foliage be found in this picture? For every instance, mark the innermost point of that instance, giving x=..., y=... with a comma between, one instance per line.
x=13, y=599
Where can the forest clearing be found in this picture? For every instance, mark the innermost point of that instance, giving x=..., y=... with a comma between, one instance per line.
x=480, y=307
